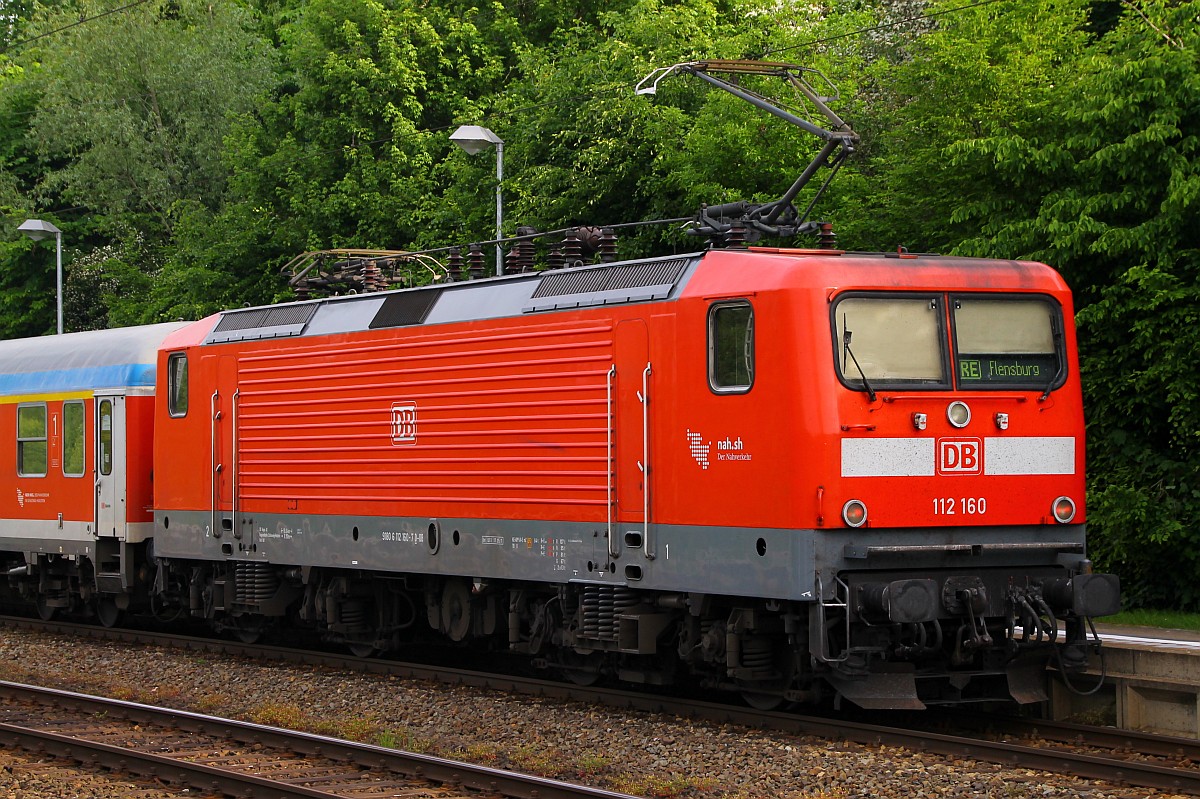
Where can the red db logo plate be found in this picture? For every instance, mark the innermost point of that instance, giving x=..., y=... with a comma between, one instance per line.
x=959, y=456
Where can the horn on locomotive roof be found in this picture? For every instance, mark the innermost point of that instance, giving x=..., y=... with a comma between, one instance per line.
x=778, y=218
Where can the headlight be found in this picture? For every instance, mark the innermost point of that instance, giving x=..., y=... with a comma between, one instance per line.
x=854, y=513
x=958, y=413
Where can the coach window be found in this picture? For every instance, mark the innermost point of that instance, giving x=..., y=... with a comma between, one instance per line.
x=32, y=448
x=177, y=384
x=731, y=347
x=73, y=441
x=105, y=439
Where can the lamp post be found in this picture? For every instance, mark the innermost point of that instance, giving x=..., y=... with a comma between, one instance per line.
x=474, y=139
x=37, y=230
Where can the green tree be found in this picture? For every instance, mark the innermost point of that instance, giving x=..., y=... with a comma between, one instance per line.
x=939, y=110
x=136, y=105
x=343, y=152
x=1125, y=230
x=27, y=272
x=121, y=118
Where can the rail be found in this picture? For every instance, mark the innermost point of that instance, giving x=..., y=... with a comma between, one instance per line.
x=918, y=735
x=273, y=762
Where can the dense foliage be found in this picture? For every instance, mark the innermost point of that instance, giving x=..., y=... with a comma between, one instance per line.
x=188, y=149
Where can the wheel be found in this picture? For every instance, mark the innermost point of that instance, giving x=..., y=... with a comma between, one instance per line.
x=456, y=610
x=771, y=658
x=248, y=629
x=248, y=635
x=107, y=612
x=581, y=669
x=581, y=677
x=762, y=701
x=44, y=611
x=362, y=650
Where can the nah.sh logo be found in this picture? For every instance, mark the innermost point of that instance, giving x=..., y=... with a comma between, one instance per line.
x=959, y=456
x=699, y=448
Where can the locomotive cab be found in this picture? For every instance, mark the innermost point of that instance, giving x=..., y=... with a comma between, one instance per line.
x=957, y=547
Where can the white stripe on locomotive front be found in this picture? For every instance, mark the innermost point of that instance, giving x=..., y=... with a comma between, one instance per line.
x=915, y=457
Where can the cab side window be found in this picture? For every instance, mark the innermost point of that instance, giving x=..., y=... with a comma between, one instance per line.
x=731, y=347
x=177, y=384
x=32, y=447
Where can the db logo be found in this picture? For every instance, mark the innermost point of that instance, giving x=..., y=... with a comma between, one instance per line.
x=404, y=423
x=959, y=456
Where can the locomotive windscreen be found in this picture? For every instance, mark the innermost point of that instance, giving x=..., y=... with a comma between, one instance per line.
x=1011, y=342
x=901, y=341
x=891, y=340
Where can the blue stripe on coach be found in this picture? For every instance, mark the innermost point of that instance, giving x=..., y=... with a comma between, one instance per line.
x=126, y=375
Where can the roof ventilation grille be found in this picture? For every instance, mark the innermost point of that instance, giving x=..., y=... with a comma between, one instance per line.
x=607, y=285
x=256, y=323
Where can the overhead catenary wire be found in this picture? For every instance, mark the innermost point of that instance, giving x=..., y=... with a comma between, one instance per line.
x=75, y=24
x=882, y=26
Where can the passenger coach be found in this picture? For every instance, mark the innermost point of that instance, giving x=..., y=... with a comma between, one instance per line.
x=77, y=412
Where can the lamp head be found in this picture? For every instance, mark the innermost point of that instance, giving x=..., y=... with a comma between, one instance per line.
x=475, y=139
x=37, y=229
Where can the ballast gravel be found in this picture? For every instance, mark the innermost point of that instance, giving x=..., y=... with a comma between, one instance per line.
x=28, y=776
x=644, y=754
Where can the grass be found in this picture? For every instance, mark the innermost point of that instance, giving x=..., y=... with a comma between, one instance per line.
x=662, y=787
x=403, y=739
x=1146, y=617
x=536, y=760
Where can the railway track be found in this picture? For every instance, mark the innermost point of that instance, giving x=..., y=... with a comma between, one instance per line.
x=1119, y=757
x=232, y=758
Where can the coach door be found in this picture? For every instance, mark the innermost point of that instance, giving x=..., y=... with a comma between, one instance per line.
x=632, y=434
x=110, y=465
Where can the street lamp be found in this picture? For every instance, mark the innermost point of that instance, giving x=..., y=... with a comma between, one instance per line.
x=37, y=230
x=474, y=139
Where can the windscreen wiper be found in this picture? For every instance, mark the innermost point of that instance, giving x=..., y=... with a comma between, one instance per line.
x=1057, y=334
x=846, y=336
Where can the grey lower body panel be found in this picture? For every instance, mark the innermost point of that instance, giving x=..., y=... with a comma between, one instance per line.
x=734, y=561
x=32, y=547
x=719, y=560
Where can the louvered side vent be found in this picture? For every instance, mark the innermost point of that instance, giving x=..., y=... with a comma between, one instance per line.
x=256, y=323
x=405, y=308
x=607, y=285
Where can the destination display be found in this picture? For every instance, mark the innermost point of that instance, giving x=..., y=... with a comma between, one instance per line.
x=1036, y=368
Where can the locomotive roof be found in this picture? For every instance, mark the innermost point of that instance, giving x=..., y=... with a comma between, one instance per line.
x=652, y=279
x=492, y=298
x=120, y=358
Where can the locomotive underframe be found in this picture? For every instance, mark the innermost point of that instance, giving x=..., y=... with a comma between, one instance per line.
x=976, y=618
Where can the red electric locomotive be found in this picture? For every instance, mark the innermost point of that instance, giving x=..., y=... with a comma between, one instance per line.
x=772, y=469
